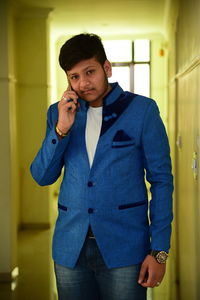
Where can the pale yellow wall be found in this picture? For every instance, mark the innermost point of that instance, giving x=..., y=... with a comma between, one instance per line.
x=159, y=73
x=184, y=127
x=169, y=290
x=24, y=99
x=32, y=36
x=9, y=178
x=188, y=128
x=24, y=90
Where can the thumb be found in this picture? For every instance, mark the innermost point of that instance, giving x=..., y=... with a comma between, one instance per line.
x=143, y=272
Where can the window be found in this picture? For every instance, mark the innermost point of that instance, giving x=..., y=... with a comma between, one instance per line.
x=131, y=64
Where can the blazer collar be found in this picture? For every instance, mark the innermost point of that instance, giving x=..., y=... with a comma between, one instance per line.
x=110, y=98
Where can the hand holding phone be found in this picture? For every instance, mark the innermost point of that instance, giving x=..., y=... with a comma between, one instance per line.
x=67, y=109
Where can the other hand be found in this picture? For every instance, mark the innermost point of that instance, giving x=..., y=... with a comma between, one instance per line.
x=151, y=272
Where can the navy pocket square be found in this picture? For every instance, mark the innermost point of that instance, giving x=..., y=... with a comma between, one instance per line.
x=121, y=136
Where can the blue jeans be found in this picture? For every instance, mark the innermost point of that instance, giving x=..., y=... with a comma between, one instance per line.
x=92, y=280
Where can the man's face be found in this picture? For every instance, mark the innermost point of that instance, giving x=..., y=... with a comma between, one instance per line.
x=89, y=79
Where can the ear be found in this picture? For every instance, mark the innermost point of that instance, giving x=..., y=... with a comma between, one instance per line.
x=107, y=68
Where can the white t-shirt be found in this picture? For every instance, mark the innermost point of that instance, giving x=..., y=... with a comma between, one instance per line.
x=93, y=128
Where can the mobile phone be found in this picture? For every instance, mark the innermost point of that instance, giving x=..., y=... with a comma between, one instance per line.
x=69, y=88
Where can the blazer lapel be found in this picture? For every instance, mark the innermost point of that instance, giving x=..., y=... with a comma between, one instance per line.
x=112, y=112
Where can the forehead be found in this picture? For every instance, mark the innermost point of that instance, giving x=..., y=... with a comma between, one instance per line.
x=83, y=65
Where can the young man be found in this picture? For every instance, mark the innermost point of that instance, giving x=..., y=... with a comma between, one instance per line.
x=104, y=245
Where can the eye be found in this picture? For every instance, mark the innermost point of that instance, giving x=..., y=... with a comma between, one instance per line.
x=90, y=72
x=74, y=77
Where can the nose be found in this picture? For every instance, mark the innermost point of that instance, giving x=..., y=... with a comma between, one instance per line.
x=84, y=82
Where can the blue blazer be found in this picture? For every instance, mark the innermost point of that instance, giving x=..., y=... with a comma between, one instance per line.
x=111, y=196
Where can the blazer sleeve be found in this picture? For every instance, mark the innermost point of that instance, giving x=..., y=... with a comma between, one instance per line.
x=158, y=173
x=48, y=163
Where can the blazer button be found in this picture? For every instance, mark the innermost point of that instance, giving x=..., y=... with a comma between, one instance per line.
x=54, y=141
x=114, y=115
x=90, y=183
x=106, y=118
x=90, y=210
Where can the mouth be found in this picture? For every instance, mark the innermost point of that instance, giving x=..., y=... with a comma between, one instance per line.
x=87, y=92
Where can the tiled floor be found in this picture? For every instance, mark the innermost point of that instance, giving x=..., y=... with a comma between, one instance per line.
x=36, y=279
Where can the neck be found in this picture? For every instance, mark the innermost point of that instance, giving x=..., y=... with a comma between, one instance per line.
x=100, y=102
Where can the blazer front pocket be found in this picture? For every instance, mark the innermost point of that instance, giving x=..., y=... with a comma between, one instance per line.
x=62, y=207
x=130, y=205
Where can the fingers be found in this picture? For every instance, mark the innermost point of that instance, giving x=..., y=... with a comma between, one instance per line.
x=143, y=274
x=65, y=106
x=151, y=273
x=151, y=282
x=69, y=101
x=67, y=95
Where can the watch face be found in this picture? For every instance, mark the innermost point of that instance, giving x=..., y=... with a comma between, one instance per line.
x=161, y=257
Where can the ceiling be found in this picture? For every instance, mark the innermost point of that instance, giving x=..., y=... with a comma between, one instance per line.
x=105, y=17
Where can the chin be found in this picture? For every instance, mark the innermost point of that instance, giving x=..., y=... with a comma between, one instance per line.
x=88, y=99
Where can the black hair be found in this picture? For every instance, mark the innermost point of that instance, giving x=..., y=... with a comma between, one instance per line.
x=81, y=47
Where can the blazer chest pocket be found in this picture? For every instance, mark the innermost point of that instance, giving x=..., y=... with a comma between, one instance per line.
x=122, y=139
x=131, y=205
x=122, y=144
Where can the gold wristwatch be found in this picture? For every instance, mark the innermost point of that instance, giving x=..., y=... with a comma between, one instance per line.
x=160, y=256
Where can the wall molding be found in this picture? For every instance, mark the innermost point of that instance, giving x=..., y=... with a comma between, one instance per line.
x=190, y=67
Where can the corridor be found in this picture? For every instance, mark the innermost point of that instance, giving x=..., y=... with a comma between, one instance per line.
x=31, y=35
